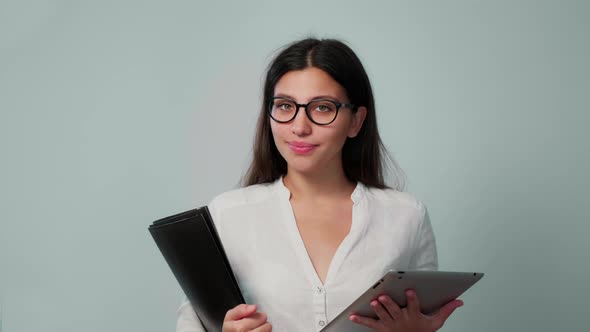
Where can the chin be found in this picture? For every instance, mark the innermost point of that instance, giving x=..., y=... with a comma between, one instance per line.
x=305, y=164
x=302, y=166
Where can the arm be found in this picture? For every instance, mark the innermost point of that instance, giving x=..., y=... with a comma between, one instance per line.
x=240, y=318
x=425, y=256
x=394, y=318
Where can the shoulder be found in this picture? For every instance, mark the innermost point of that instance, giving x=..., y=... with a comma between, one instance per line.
x=392, y=197
x=396, y=201
x=236, y=211
x=251, y=195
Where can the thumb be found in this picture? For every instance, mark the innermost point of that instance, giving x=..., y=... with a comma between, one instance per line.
x=239, y=312
x=443, y=314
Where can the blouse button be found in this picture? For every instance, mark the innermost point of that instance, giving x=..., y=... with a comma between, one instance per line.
x=322, y=323
x=320, y=290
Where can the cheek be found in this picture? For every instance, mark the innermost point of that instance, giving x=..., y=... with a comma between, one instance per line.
x=275, y=131
x=278, y=136
x=336, y=135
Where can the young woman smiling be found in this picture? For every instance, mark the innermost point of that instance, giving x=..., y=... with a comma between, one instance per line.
x=315, y=224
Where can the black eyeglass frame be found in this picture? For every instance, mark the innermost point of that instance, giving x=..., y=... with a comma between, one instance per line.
x=338, y=105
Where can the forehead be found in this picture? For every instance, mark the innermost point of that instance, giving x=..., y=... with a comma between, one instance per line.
x=304, y=85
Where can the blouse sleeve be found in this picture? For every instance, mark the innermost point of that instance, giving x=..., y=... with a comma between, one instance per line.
x=425, y=256
x=187, y=319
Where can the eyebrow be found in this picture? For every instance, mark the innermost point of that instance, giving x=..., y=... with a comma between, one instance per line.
x=313, y=98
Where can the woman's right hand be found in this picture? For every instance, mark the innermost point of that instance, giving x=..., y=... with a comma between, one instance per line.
x=244, y=317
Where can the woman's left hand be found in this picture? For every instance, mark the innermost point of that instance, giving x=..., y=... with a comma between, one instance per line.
x=409, y=319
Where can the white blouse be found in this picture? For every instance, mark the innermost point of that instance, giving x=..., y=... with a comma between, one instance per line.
x=390, y=230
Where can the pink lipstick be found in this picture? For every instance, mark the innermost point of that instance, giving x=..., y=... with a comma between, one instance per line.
x=301, y=147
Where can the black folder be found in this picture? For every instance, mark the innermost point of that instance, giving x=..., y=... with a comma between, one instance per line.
x=191, y=246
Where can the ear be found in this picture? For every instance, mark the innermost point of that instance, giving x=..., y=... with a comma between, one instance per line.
x=358, y=118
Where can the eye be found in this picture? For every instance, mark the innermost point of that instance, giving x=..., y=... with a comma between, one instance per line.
x=282, y=105
x=323, y=107
x=285, y=107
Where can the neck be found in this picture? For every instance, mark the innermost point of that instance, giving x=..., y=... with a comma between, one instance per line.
x=321, y=185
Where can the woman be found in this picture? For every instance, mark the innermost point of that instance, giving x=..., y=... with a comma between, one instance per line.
x=315, y=225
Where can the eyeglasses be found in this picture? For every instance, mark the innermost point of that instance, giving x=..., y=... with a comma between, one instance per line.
x=319, y=111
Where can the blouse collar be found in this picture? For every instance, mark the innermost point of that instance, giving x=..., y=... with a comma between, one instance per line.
x=356, y=196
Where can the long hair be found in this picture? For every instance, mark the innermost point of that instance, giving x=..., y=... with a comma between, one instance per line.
x=364, y=157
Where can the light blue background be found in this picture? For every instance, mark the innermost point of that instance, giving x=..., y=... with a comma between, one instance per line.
x=116, y=113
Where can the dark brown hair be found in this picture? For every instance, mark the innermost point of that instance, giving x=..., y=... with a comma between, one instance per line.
x=364, y=157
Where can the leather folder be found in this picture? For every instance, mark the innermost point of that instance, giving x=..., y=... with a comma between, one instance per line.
x=191, y=246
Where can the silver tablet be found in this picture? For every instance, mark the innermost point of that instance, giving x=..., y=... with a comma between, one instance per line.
x=433, y=288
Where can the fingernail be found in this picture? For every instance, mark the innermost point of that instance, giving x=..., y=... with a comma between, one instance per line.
x=382, y=298
x=373, y=303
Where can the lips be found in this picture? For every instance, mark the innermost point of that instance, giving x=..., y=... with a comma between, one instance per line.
x=301, y=147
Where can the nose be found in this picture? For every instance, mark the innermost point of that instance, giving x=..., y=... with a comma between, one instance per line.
x=301, y=125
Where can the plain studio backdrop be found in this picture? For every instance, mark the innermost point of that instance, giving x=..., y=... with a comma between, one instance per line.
x=117, y=113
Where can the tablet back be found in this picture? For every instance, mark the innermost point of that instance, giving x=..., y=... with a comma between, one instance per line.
x=433, y=288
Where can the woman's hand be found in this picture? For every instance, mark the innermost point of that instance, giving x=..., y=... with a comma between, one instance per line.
x=410, y=319
x=244, y=317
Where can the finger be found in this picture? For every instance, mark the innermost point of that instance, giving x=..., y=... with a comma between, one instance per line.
x=381, y=312
x=413, y=303
x=366, y=321
x=248, y=323
x=266, y=327
x=239, y=312
x=394, y=310
x=443, y=313
x=251, y=322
